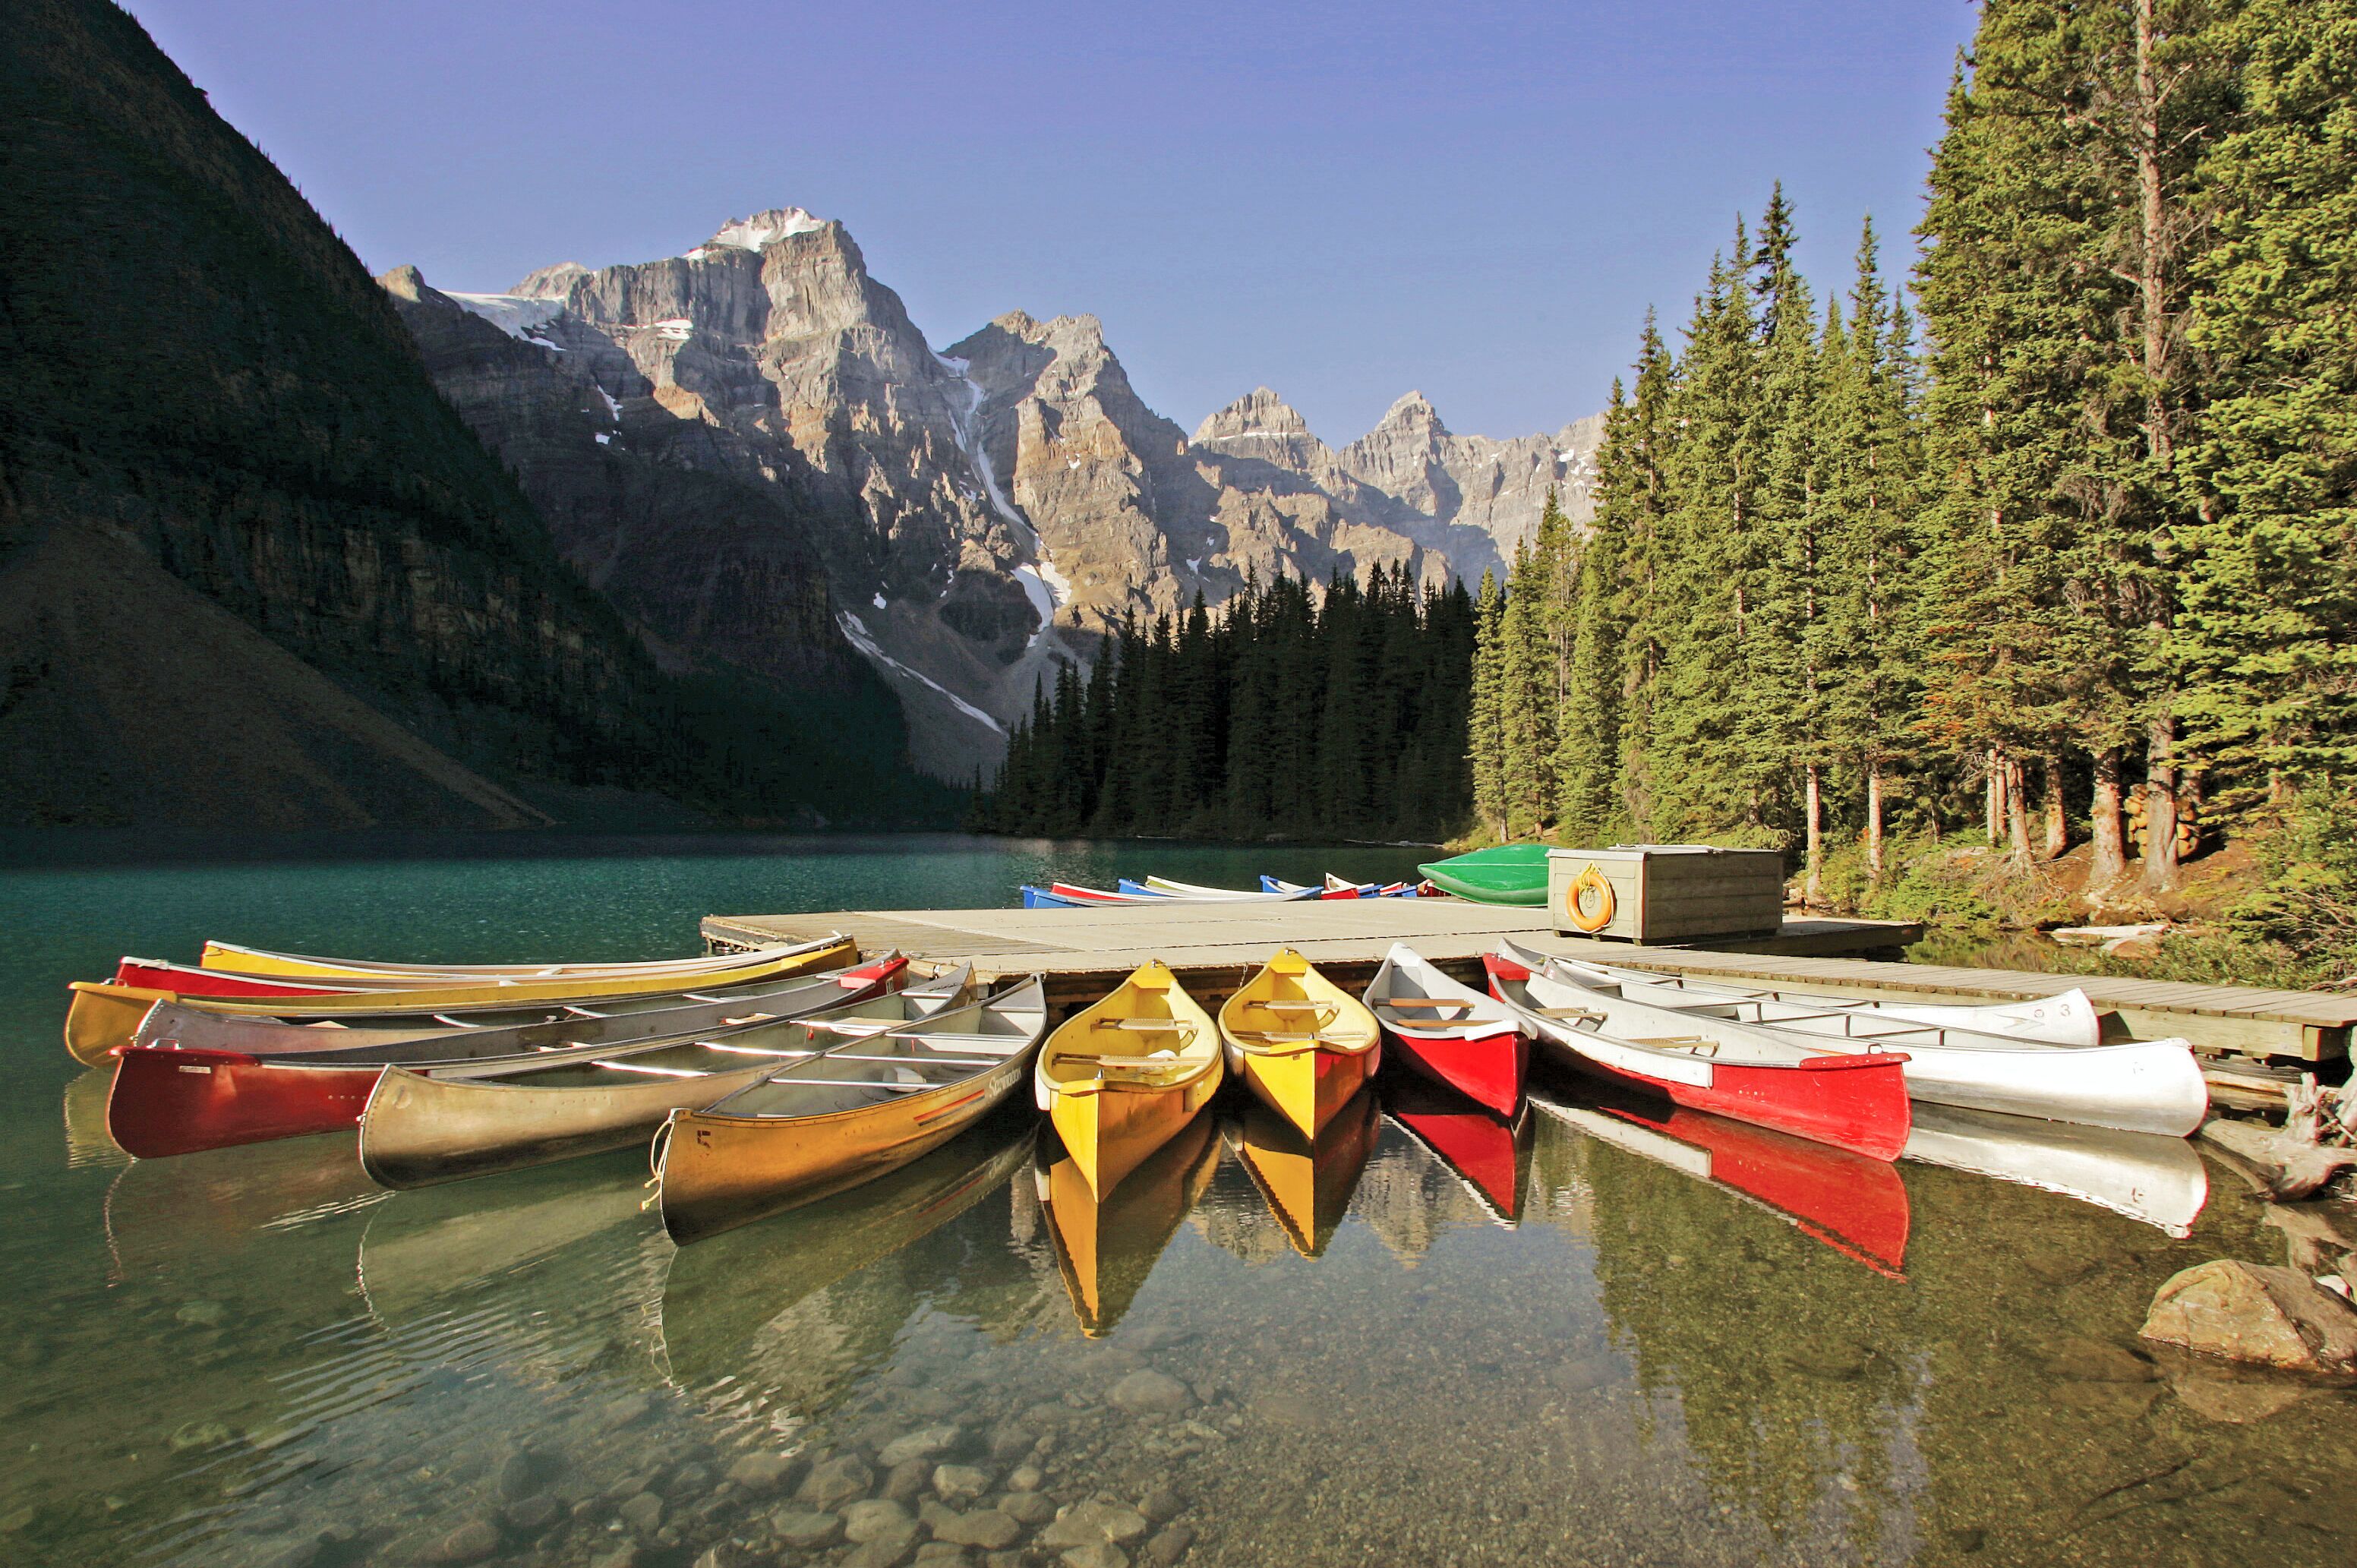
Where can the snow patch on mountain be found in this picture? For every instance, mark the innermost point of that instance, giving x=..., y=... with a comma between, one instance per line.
x=518, y=315
x=759, y=231
x=856, y=632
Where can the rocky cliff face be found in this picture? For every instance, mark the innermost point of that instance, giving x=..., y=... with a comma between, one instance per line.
x=981, y=514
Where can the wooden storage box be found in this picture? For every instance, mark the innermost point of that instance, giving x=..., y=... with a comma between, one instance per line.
x=1666, y=892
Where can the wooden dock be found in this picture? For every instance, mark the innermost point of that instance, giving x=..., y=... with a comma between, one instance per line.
x=1213, y=948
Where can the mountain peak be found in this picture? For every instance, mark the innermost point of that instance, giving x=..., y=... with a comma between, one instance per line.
x=551, y=283
x=1414, y=409
x=1259, y=412
x=759, y=232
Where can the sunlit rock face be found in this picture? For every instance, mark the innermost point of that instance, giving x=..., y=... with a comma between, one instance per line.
x=965, y=520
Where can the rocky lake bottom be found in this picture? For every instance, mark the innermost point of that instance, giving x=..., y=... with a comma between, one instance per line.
x=1598, y=1336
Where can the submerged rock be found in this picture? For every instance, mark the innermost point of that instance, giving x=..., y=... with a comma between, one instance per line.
x=2246, y=1312
x=1146, y=1391
x=836, y=1481
x=921, y=1444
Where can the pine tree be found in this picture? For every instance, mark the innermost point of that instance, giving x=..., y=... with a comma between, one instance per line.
x=1486, y=738
x=1709, y=566
x=2266, y=634
x=1633, y=510
x=1526, y=705
x=1588, y=740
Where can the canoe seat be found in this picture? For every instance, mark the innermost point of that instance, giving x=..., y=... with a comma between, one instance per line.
x=1421, y=1002
x=1271, y=1038
x=1147, y=1026
x=1586, y=1014
x=1294, y=1006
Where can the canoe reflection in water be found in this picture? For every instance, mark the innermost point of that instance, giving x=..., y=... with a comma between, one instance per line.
x=1490, y=1156
x=785, y=1312
x=2148, y=1176
x=1308, y=1185
x=203, y=1215
x=424, y=1248
x=1855, y=1205
x=1105, y=1247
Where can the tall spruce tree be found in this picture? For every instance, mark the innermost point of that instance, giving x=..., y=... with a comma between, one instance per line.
x=2265, y=637
x=1485, y=743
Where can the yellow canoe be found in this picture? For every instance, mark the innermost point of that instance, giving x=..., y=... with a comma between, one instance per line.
x=103, y=1017
x=1105, y=1247
x=1120, y=1079
x=301, y=966
x=830, y=1122
x=1308, y=1184
x=1301, y=1043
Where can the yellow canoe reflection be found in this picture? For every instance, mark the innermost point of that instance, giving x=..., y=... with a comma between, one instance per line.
x=1308, y=1185
x=1106, y=1248
x=731, y=1301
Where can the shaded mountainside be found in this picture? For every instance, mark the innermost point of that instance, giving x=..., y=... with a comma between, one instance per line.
x=227, y=483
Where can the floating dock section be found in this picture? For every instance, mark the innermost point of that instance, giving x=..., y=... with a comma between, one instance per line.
x=1213, y=948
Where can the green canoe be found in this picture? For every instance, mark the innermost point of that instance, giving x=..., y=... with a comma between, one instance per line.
x=1502, y=873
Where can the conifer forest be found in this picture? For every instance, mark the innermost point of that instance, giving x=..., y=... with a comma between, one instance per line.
x=2049, y=537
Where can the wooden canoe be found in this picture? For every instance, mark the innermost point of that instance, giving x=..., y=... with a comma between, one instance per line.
x=1106, y=1247
x=1299, y=1042
x=172, y=1098
x=263, y=961
x=1490, y=1154
x=1858, y=1103
x=517, y=1029
x=1451, y=1033
x=105, y=1016
x=1856, y=1205
x=830, y=1122
x=424, y=1127
x=2135, y=1086
x=1119, y=1079
x=1307, y=1182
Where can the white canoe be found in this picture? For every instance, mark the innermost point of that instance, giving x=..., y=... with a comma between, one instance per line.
x=2160, y=1181
x=2066, y=1019
x=1171, y=889
x=2137, y=1086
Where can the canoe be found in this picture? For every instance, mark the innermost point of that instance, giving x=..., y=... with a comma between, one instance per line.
x=2158, y=1180
x=519, y=1028
x=262, y=962
x=1490, y=1154
x=1106, y=1247
x=1119, y=1079
x=1856, y=1206
x=1514, y=873
x=2066, y=1019
x=1168, y=888
x=185, y=980
x=1299, y=1042
x=828, y=1123
x=1754, y=1075
x=424, y=1127
x=1307, y=1182
x=1041, y=898
x=1451, y=1034
x=2137, y=1086
x=174, y=1099
x=103, y=1017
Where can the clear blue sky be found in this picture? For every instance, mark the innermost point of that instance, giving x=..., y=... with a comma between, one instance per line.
x=1340, y=201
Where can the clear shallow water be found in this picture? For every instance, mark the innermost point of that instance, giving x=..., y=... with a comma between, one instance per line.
x=1434, y=1340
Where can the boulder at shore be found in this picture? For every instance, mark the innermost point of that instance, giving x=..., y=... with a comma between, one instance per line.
x=2246, y=1312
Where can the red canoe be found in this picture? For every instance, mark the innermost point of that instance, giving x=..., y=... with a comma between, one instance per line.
x=1490, y=1156
x=155, y=974
x=1755, y=1075
x=1451, y=1034
x=1855, y=1205
x=174, y=1100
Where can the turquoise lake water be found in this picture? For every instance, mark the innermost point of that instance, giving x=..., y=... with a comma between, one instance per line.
x=1595, y=1337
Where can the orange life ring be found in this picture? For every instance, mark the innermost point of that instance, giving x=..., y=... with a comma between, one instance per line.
x=1589, y=880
